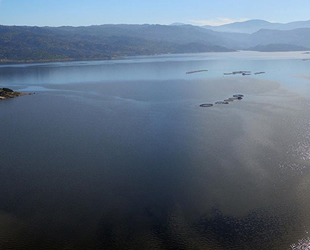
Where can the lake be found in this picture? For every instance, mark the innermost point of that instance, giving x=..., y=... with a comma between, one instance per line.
x=119, y=154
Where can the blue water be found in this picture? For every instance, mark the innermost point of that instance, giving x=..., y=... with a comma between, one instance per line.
x=119, y=155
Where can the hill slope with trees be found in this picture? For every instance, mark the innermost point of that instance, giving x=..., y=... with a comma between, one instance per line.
x=27, y=44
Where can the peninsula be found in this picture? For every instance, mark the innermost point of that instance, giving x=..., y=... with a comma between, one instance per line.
x=6, y=93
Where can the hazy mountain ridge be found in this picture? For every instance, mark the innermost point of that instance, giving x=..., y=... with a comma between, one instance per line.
x=252, y=26
x=298, y=37
x=277, y=47
x=24, y=43
x=247, y=27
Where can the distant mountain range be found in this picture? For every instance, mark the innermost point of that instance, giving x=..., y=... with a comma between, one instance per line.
x=255, y=25
x=24, y=43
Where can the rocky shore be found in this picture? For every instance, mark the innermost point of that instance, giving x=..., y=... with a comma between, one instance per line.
x=6, y=93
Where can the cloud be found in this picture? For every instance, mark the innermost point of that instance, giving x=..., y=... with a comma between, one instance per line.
x=218, y=21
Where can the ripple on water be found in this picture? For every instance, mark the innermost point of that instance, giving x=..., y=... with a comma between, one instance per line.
x=303, y=244
x=34, y=89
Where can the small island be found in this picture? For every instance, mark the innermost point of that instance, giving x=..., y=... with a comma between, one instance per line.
x=6, y=93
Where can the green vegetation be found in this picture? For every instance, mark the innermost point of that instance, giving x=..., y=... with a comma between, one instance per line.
x=28, y=44
x=6, y=93
x=19, y=44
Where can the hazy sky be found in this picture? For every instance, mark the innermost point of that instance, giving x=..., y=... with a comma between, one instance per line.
x=200, y=12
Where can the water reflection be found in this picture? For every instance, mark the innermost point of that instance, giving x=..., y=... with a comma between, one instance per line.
x=302, y=244
x=120, y=156
x=153, y=229
x=156, y=68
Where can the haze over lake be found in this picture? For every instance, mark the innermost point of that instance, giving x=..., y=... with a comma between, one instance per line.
x=119, y=155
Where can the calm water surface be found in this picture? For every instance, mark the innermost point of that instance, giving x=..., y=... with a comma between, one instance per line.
x=119, y=155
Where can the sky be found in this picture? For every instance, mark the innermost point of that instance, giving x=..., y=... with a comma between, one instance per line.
x=196, y=12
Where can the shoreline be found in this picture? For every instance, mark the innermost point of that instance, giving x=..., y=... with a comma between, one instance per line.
x=10, y=62
x=301, y=56
x=6, y=93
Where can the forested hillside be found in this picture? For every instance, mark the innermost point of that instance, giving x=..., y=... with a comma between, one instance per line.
x=96, y=42
x=24, y=43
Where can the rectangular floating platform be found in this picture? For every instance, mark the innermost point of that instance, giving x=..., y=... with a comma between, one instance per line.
x=243, y=72
x=196, y=71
